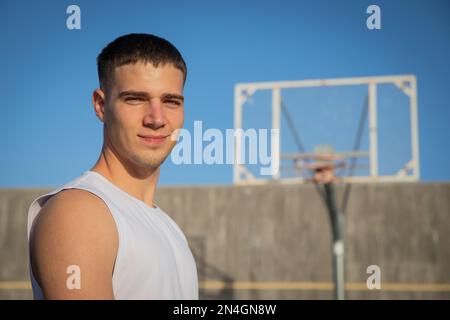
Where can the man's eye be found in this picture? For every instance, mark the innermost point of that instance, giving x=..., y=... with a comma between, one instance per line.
x=173, y=102
x=134, y=99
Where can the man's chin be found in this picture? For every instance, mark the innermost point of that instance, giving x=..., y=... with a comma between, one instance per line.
x=153, y=163
x=152, y=159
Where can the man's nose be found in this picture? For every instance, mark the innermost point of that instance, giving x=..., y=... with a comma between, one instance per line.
x=154, y=117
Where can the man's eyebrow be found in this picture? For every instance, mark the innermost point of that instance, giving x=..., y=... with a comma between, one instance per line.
x=173, y=96
x=133, y=93
x=146, y=95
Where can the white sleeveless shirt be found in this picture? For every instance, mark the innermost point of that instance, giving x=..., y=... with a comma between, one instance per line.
x=153, y=257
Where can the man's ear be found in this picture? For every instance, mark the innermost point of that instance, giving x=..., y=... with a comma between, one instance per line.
x=98, y=101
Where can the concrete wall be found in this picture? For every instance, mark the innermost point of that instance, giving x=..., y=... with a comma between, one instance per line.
x=252, y=242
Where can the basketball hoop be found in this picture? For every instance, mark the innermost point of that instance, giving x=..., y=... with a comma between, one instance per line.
x=323, y=168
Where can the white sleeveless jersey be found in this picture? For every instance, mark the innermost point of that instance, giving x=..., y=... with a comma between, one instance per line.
x=153, y=258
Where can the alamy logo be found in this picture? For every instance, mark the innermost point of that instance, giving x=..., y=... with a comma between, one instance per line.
x=74, y=280
x=374, y=20
x=374, y=280
x=74, y=20
x=220, y=149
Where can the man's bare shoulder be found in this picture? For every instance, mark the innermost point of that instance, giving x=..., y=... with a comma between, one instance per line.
x=72, y=197
x=74, y=227
x=77, y=213
x=76, y=205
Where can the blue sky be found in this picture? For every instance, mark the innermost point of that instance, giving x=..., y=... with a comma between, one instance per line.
x=49, y=133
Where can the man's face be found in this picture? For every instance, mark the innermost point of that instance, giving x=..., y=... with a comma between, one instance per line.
x=143, y=107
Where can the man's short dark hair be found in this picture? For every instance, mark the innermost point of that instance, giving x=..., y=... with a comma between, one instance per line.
x=137, y=47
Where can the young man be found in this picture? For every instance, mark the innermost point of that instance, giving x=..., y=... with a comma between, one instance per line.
x=101, y=236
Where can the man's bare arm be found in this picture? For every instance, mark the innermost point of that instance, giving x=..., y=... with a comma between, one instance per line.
x=74, y=228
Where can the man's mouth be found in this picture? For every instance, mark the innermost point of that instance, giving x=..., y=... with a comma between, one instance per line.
x=153, y=140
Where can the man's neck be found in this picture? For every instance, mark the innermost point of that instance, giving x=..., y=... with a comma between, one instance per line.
x=140, y=184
